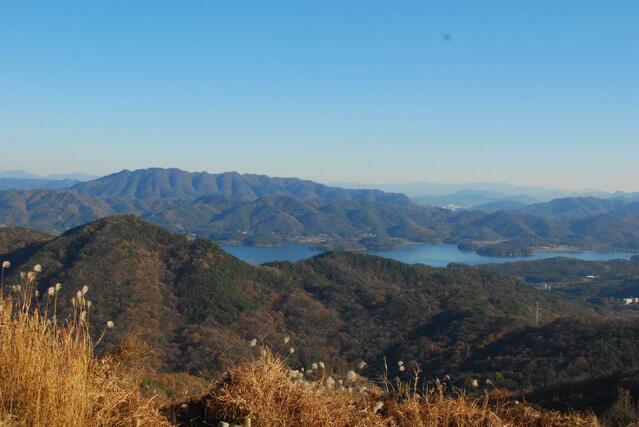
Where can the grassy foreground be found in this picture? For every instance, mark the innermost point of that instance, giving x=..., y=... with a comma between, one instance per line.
x=49, y=376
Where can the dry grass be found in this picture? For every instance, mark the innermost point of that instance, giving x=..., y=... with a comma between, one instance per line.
x=266, y=392
x=48, y=375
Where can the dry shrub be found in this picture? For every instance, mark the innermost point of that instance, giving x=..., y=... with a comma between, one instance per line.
x=263, y=391
x=48, y=375
x=436, y=409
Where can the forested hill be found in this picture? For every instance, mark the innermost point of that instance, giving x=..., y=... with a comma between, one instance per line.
x=14, y=238
x=198, y=306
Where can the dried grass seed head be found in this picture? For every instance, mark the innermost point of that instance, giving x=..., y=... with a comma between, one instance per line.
x=329, y=382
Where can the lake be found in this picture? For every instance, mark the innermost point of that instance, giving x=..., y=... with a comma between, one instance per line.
x=436, y=255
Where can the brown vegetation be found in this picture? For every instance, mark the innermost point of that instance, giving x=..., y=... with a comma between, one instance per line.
x=270, y=394
x=48, y=375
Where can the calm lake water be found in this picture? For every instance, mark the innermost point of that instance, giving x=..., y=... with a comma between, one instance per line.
x=436, y=255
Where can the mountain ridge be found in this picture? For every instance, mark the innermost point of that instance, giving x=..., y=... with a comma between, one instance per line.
x=259, y=210
x=177, y=183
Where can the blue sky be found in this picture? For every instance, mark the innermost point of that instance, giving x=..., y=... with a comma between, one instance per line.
x=527, y=92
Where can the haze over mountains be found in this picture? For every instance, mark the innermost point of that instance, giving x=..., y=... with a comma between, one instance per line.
x=260, y=210
x=20, y=174
x=21, y=180
x=481, y=195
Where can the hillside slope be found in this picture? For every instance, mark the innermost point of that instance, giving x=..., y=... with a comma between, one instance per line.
x=13, y=238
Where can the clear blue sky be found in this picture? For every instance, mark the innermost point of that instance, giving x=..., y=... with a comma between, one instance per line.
x=529, y=92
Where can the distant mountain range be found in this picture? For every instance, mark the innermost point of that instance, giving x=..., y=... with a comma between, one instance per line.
x=35, y=184
x=582, y=207
x=421, y=189
x=20, y=174
x=21, y=180
x=488, y=201
x=485, y=196
x=260, y=210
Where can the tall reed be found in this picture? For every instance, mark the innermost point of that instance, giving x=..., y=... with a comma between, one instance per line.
x=48, y=373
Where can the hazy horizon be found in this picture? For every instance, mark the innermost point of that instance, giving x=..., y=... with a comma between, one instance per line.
x=529, y=93
x=388, y=186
